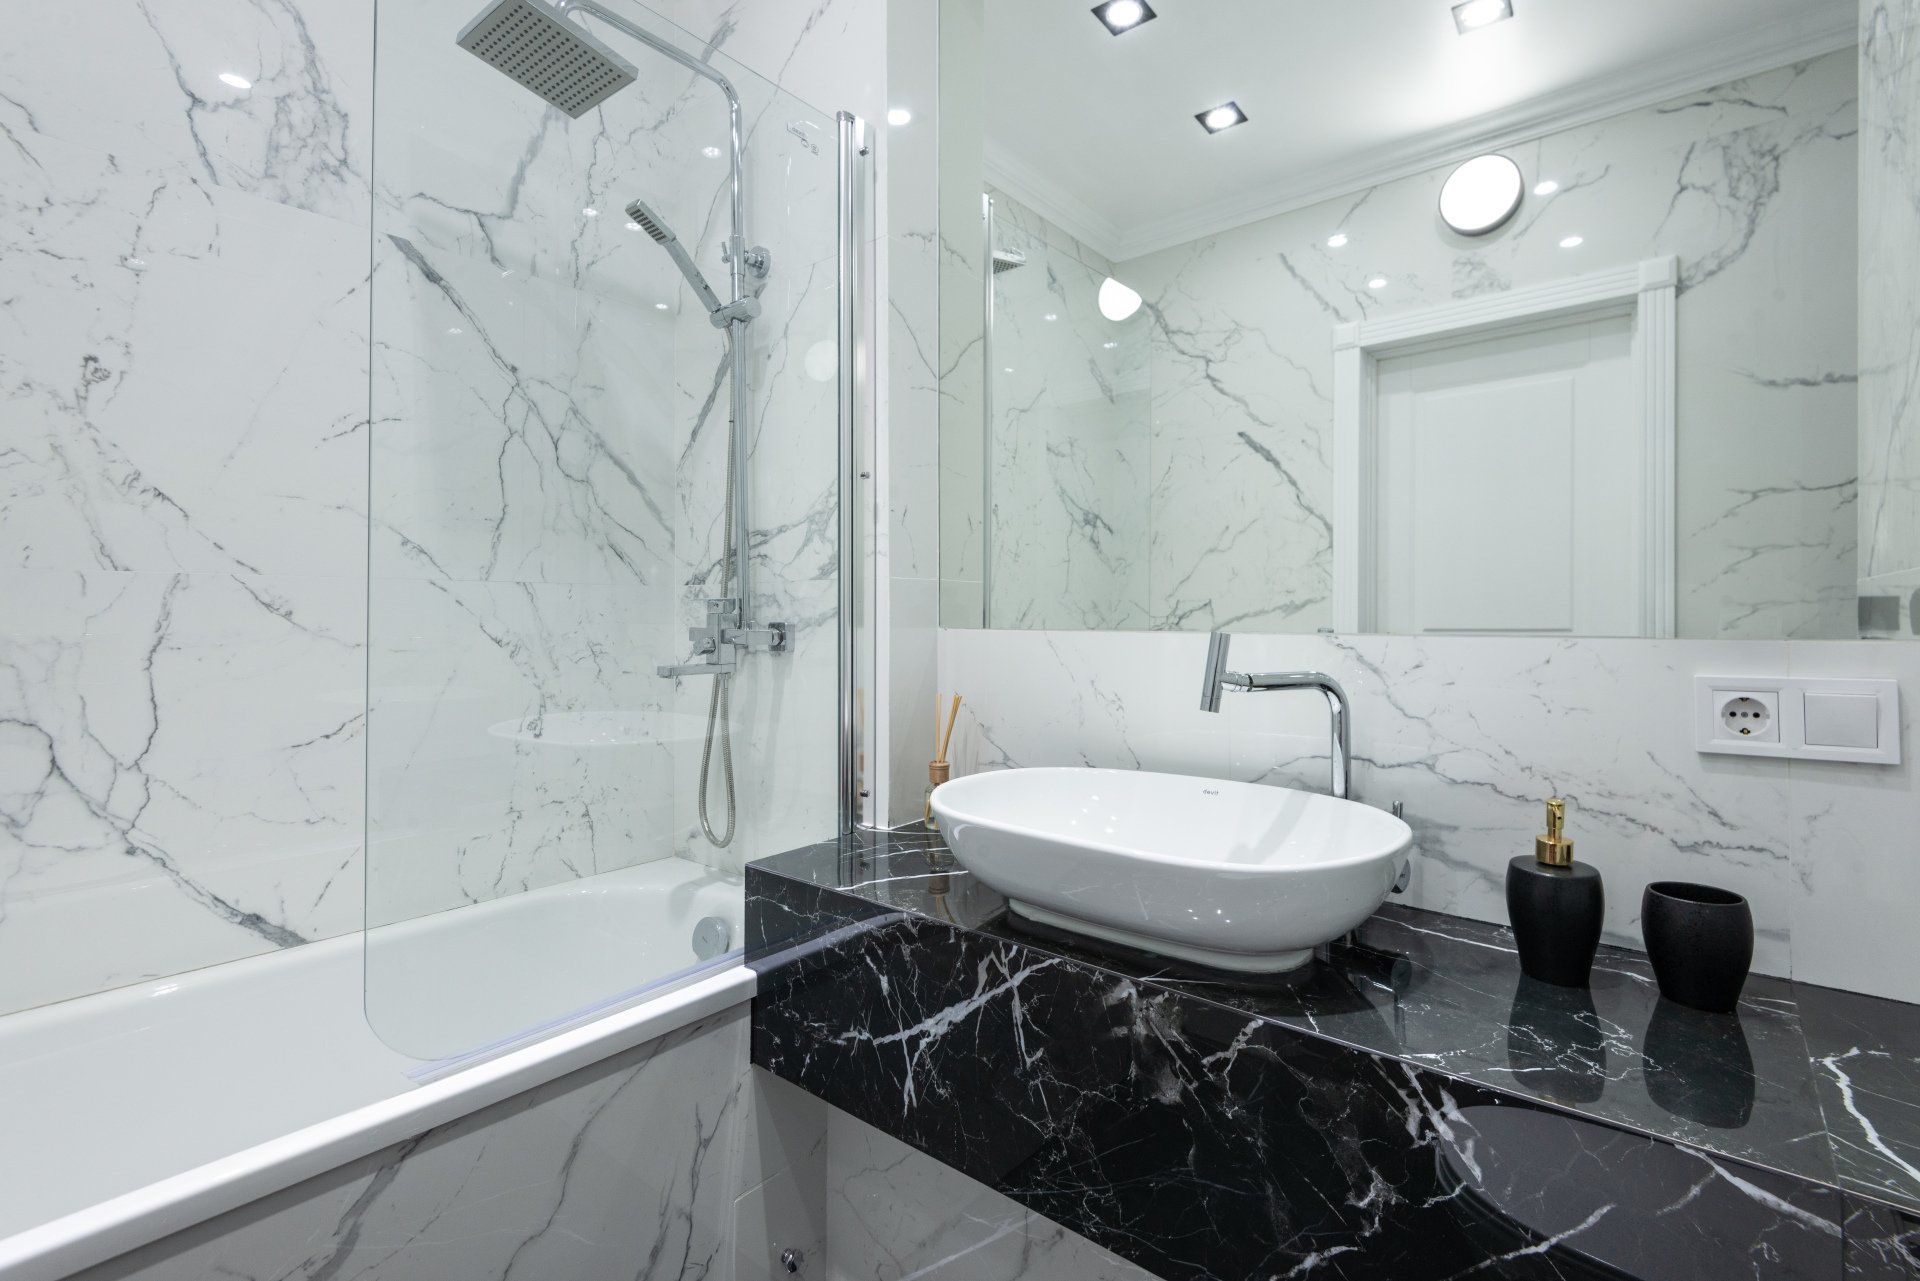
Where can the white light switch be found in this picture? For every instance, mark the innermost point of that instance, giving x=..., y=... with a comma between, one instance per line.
x=1843, y=720
x=1808, y=718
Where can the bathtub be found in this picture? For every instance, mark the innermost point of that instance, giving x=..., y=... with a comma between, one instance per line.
x=136, y=1113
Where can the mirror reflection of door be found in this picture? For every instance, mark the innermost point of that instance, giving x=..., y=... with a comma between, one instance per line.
x=1512, y=475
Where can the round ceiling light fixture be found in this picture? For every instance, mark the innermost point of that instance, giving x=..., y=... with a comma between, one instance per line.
x=1117, y=302
x=1481, y=195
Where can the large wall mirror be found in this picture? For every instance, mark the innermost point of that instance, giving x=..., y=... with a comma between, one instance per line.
x=1539, y=318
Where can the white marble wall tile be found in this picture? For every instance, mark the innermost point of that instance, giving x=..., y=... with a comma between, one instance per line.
x=911, y=403
x=1852, y=837
x=830, y=54
x=893, y=1212
x=963, y=264
x=182, y=514
x=1106, y=699
x=1069, y=440
x=144, y=84
x=915, y=692
x=186, y=278
x=1472, y=736
x=180, y=773
x=783, y=1171
x=1889, y=276
x=524, y=427
x=910, y=153
x=913, y=408
x=624, y=1169
x=517, y=738
x=186, y=369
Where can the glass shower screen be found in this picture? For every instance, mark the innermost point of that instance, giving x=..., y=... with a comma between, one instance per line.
x=549, y=515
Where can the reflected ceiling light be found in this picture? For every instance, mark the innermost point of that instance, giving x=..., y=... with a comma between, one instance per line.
x=1117, y=302
x=1481, y=195
x=590, y=212
x=711, y=153
x=1121, y=16
x=1225, y=116
x=1109, y=345
x=634, y=226
x=1573, y=242
x=1475, y=14
x=1546, y=188
x=1052, y=315
x=659, y=306
x=1007, y=370
x=899, y=116
x=1338, y=240
x=1378, y=282
x=235, y=81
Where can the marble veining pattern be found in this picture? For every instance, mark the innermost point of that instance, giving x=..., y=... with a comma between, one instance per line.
x=1068, y=443
x=637, y=1167
x=1142, y=1113
x=1472, y=736
x=1738, y=182
x=1805, y=1080
x=1889, y=516
x=184, y=486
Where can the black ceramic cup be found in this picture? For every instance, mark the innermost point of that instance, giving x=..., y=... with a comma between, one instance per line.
x=1700, y=940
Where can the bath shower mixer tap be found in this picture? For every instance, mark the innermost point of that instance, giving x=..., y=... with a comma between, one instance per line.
x=722, y=639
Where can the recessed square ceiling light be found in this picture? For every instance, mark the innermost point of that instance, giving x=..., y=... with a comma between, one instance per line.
x=1120, y=16
x=1224, y=116
x=1475, y=14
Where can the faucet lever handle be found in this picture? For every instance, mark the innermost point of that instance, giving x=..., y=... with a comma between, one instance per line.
x=1217, y=644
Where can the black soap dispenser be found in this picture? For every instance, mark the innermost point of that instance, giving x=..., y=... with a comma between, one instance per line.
x=1555, y=905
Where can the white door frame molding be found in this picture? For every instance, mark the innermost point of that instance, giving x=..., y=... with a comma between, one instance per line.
x=1647, y=291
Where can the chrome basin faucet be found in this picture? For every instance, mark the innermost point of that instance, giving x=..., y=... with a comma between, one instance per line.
x=1219, y=678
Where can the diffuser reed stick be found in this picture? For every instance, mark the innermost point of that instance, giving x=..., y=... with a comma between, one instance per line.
x=937, y=769
x=946, y=735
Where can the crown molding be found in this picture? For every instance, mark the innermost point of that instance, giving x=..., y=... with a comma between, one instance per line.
x=1059, y=206
x=1749, y=53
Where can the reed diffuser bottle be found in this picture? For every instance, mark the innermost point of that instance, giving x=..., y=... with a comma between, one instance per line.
x=938, y=770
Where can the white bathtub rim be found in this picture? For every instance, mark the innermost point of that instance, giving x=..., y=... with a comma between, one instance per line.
x=101, y=1232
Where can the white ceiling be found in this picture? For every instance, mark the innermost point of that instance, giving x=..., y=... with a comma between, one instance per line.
x=1098, y=133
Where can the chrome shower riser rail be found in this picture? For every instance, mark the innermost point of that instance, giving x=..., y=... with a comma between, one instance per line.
x=736, y=266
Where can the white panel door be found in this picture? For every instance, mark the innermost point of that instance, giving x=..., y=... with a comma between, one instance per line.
x=1512, y=486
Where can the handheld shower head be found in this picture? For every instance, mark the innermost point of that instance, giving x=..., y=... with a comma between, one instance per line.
x=643, y=216
x=529, y=41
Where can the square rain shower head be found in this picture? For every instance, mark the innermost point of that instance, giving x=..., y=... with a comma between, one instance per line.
x=534, y=45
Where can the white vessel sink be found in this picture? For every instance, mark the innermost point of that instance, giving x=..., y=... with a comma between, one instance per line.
x=1231, y=875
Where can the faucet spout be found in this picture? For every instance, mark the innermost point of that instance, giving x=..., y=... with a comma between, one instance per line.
x=1338, y=709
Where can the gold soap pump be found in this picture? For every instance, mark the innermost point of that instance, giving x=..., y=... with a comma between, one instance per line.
x=1553, y=848
x=1555, y=906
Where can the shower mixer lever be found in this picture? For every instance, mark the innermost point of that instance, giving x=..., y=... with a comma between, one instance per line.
x=722, y=634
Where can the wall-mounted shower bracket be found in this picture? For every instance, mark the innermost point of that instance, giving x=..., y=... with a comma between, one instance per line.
x=759, y=260
x=743, y=310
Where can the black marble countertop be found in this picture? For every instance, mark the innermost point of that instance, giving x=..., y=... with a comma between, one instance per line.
x=1812, y=1082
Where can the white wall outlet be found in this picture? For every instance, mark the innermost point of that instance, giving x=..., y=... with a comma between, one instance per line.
x=1798, y=717
x=1743, y=716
